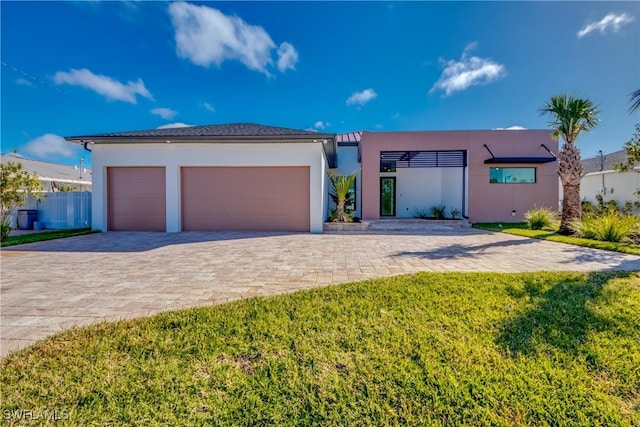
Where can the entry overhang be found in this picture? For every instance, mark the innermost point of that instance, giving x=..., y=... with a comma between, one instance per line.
x=538, y=160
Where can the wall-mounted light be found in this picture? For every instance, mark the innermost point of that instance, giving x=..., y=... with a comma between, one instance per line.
x=513, y=212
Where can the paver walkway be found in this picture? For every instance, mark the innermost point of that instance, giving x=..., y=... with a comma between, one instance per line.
x=49, y=286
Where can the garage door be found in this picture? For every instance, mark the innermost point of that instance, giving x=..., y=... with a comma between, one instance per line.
x=245, y=198
x=136, y=199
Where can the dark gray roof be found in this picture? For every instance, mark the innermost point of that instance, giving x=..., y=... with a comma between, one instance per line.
x=231, y=130
x=47, y=171
x=606, y=163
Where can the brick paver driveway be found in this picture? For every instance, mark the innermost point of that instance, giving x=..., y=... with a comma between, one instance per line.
x=50, y=286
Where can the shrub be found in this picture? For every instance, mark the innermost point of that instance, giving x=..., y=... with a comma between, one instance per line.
x=611, y=226
x=439, y=212
x=540, y=218
x=587, y=207
x=347, y=216
x=5, y=229
x=15, y=184
x=422, y=213
x=628, y=207
x=600, y=205
x=455, y=212
x=612, y=205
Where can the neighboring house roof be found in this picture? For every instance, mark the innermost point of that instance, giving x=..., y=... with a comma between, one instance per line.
x=605, y=162
x=231, y=132
x=349, y=139
x=54, y=172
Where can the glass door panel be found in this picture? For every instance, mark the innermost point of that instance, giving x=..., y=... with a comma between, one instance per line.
x=387, y=196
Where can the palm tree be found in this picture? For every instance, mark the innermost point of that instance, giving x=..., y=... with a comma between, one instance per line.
x=635, y=101
x=569, y=117
x=341, y=192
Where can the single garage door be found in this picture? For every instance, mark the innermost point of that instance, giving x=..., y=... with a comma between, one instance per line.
x=136, y=198
x=245, y=198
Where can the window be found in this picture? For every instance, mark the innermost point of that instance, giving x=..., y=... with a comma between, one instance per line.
x=387, y=165
x=512, y=175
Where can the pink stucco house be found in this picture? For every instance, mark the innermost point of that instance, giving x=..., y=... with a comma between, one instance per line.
x=245, y=176
x=488, y=176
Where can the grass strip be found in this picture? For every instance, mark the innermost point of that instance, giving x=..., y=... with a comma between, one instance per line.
x=44, y=235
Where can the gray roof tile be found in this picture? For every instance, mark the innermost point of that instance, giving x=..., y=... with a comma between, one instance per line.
x=222, y=130
x=596, y=164
x=47, y=171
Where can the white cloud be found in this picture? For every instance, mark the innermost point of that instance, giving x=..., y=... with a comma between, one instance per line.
x=468, y=71
x=311, y=129
x=287, y=57
x=320, y=125
x=379, y=126
x=209, y=107
x=49, y=144
x=174, y=125
x=515, y=127
x=610, y=21
x=206, y=36
x=111, y=89
x=165, y=113
x=361, y=98
x=24, y=82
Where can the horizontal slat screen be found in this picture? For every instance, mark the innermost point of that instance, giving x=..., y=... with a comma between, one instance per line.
x=426, y=159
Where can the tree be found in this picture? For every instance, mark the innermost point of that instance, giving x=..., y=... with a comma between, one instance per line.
x=569, y=117
x=341, y=193
x=15, y=184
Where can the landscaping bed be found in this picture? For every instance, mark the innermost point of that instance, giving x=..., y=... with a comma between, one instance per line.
x=522, y=229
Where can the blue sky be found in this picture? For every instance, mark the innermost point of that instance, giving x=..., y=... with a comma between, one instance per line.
x=76, y=68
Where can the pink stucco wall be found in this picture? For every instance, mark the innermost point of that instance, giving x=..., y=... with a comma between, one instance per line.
x=487, y=202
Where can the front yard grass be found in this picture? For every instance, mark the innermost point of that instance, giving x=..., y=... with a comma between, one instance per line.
x=521, y=229
x=424, y=349
x=43, y=235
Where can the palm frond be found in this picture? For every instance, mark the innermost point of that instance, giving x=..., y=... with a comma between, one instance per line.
x=635, y=101
x=341, y=184
x=570, y=116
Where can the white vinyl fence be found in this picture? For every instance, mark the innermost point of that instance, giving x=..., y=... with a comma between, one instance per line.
x=60, y=210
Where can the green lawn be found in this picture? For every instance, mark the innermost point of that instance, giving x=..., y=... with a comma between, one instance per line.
x=43, y=235
x=427, y=349
x=521, y=229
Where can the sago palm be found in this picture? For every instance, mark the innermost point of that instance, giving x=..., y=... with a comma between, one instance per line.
x=569, y=117
x=341, y=191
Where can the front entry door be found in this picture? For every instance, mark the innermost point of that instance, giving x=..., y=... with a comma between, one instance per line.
x=388, y=196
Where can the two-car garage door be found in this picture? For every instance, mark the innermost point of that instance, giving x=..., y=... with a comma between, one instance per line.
x=245, y=198
x=212, y=198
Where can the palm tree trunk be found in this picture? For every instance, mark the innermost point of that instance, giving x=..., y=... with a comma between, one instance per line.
x=571, y=208
x=570, y=171
x=340, y=208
